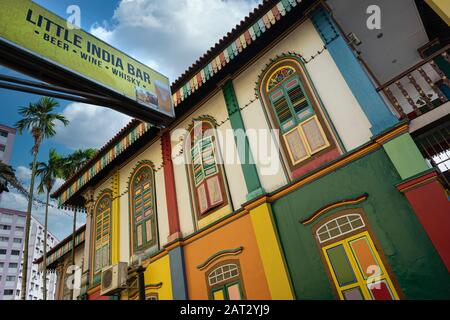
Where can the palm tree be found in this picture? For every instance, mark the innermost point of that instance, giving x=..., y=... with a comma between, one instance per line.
x=7, y=176
x=39, y=119
x=48, y=173
x=73, y=162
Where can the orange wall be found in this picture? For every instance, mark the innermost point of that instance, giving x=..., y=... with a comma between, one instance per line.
x=233, y=235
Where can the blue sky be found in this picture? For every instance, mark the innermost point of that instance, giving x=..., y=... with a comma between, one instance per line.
x=177, y=32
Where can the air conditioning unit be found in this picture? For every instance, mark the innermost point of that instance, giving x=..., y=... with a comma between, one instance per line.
x=114, y=279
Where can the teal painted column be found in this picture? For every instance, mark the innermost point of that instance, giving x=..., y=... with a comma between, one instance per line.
x=376, y=110
x=252, y=181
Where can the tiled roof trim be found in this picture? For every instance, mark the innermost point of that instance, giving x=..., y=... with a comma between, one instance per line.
x=241, y=42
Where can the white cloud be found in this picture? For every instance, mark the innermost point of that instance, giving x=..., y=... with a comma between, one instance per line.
x=23, y=174
x=90, y=126
x=172, y=35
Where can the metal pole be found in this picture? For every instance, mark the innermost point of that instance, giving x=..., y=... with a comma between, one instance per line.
x=73, y=245
x=141, y=282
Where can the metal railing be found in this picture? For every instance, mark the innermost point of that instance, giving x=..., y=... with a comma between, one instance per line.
x=435, y=147
x=420, y=88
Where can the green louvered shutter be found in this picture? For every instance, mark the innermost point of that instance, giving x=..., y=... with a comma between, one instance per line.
x=299, y=102
x=197, y=164
x=209, y=161
x=282, y=110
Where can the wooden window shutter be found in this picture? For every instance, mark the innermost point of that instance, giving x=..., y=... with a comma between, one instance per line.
x=209, y=189
x=282, y=110
x=314, y=134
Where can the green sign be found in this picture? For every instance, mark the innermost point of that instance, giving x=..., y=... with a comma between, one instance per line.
x=36, y=30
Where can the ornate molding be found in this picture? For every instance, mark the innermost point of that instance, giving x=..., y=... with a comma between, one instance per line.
x=272, y=62
x=334, y=205
x=220, y=254
x=88, y=196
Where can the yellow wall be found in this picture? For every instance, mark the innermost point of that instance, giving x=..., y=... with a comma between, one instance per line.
x=271, y=255
x=159, y=271
x=442, y=8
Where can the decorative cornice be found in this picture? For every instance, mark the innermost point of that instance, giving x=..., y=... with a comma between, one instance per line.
x=218, y=255
x=388, y=136
x=417, y=181
x=333, y=205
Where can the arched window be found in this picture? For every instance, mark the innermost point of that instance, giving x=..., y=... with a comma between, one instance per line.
x=294, y=112
x=206, y=174
x=102, y=238
x=224, y=281
x=143, y=210
x=356, y=267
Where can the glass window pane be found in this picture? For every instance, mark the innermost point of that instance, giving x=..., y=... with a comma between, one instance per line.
x=365, y=258
x=380, y=290
x=345, y=228
x=341, y=265
x=334, y=232
x=234, y=292
x=353, y=294
x=332, y=224
x=323, y=237
x=357, y=224
x=218, y=295
x=342, y=220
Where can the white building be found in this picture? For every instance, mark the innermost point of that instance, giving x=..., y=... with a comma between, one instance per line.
x=35, y=278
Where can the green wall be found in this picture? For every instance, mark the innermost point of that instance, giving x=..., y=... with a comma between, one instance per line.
x=405, y=156
x=410, y=254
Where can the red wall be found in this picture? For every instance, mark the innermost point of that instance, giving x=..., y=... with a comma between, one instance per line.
x=432, y=207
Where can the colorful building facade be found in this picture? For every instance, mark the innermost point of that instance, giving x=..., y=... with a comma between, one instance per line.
x=319, y=192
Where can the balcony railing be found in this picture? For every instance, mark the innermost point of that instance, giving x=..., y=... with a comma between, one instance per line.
x=422, y=87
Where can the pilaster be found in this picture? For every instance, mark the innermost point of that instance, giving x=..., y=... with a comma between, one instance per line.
x=248, y=165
